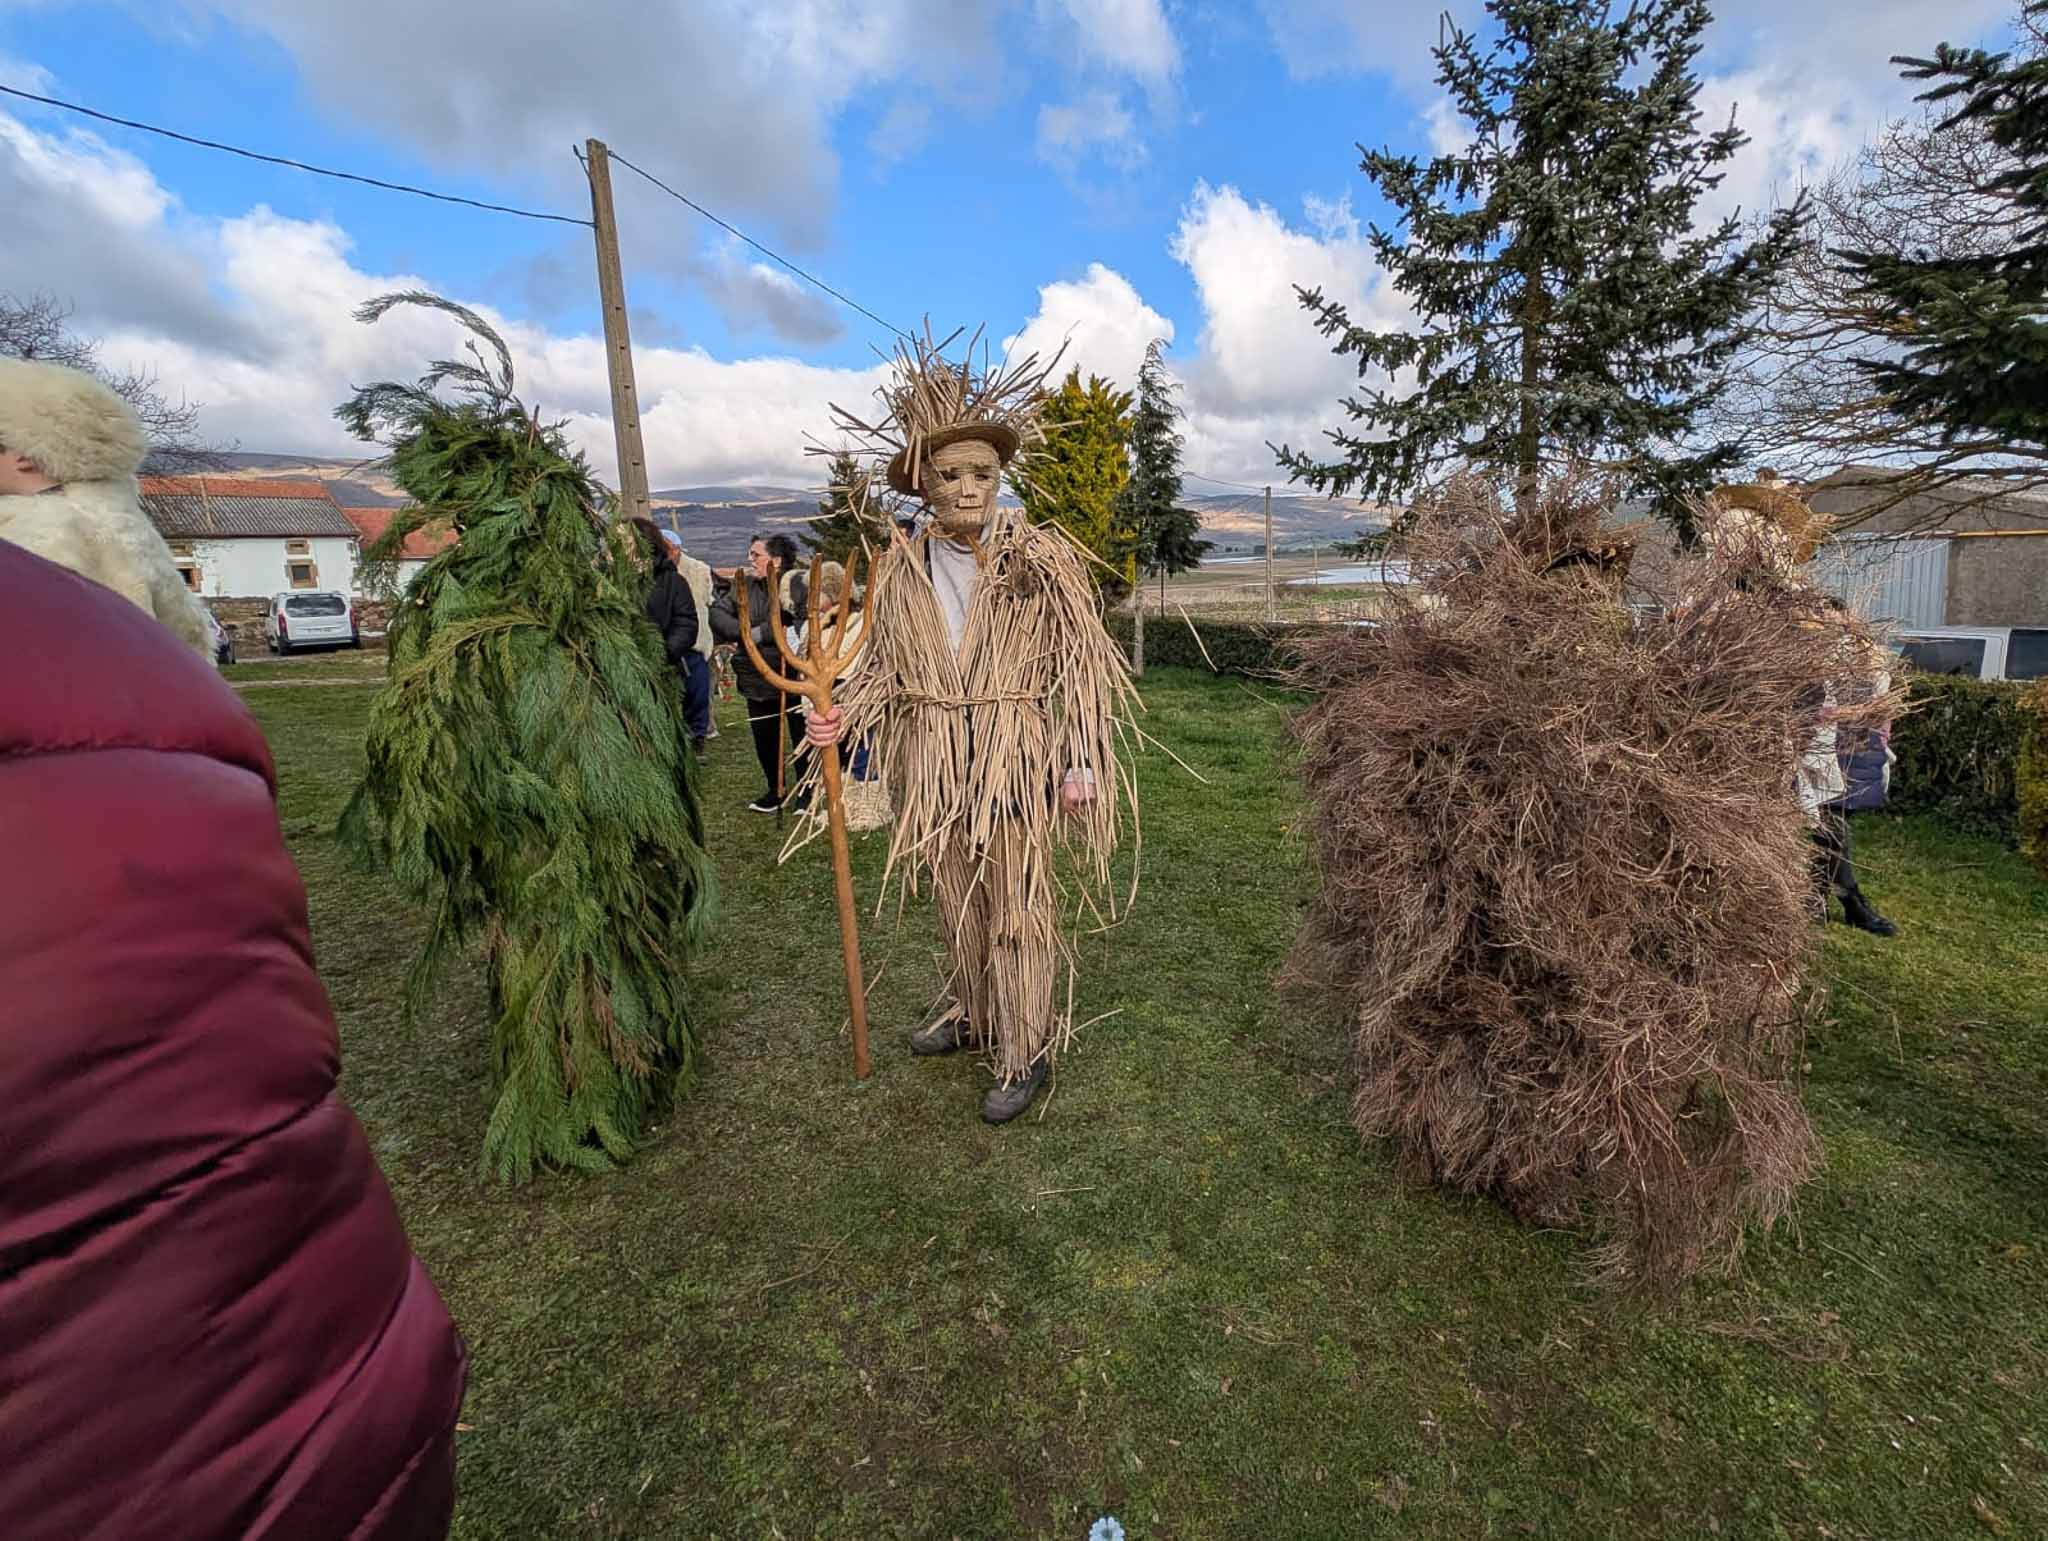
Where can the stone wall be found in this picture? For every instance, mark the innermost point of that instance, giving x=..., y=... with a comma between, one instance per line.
x=243, y=619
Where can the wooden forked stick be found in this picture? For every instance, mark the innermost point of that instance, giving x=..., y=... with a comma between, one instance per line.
x=817, y=670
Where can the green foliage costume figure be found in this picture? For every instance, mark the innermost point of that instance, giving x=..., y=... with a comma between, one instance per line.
x=530, y=776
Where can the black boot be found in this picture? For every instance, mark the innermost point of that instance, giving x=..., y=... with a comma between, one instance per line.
x=1006, y=1102
x=1857, y=912
x=944, y=1036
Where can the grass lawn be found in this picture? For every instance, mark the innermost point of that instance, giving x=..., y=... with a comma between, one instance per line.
x=1188, y=1295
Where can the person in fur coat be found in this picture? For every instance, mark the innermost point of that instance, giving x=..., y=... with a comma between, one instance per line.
x=69, y=452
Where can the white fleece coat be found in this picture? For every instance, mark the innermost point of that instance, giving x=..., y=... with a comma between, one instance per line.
x=99, y=531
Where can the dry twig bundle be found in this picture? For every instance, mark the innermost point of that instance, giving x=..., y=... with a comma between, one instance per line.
x=1566, y=888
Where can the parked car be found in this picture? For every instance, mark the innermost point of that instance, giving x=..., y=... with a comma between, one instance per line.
x=223, y=644
x=1976, y=652
x=310, y=619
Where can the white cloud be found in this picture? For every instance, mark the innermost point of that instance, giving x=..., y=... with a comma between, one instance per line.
x=1099, y=319
x=752, y=295
x=1097, y=124
x=733, y=100
x=902, y=130
x=1128, y=36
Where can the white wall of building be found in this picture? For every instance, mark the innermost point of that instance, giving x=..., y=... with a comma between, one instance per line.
x=253, y=567
x=408, y=568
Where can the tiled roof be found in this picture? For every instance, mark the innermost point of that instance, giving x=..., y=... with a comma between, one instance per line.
x=419, y=545
x=226, y=508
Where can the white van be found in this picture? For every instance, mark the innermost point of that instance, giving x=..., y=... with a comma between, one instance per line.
x=306, y=618
x=1976, y=652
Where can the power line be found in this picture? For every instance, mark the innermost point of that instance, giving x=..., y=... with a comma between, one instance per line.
x=1220, y=482
x=279, y=160
x=774, y=256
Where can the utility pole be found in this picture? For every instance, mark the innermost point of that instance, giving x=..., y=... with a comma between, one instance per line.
x=618, y=343
x=1270, y=612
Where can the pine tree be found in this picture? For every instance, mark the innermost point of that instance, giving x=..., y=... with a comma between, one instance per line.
x=1975, y=324
x=1166, y=538
x=529, y=777
x=1085, y=464
x=849, y=513
x=1567, y=307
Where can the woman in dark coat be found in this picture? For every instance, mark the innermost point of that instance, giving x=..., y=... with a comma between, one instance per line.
x=670, y=605
x=772, y=717
x=211, y=1322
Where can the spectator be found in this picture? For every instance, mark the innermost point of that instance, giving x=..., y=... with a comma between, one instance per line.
x=1865, y=757
x=772, y=717
x=213, y=1323
x=697, y=662
x=672, y=609
x=69, y=452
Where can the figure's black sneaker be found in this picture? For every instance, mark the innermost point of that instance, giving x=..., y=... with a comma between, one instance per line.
x=767, y=802
x=1006, y=1102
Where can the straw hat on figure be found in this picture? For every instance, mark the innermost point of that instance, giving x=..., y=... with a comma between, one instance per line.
x=996, y=706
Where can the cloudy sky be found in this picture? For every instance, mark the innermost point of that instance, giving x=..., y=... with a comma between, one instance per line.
x=1095, y=171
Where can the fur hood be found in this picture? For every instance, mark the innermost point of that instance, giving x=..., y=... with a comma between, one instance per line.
x=97, y=529
x=68, y=423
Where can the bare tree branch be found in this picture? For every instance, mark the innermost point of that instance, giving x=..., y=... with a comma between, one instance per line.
x=39, y=327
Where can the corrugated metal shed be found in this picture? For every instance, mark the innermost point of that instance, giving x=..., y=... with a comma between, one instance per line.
x=219, y=508
x=1896, y=582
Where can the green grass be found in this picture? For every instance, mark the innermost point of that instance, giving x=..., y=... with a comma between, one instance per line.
x=1189, y=1295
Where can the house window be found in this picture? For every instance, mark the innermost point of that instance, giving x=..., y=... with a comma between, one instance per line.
x=303, y=575
x=298, y=548
x=189, y=571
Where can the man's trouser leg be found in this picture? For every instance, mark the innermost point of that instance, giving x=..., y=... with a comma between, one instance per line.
x=697, y=694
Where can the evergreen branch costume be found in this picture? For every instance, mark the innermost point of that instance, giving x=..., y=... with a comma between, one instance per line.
x=985, y=684
x=530, y=775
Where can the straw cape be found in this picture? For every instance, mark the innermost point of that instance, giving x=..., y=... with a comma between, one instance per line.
x=975, y=736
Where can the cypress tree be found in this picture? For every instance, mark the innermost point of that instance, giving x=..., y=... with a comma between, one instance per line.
x=1086, y=462
x=1166, y=538
x=1566, y=306
x=1975, y=325
x=529, y=775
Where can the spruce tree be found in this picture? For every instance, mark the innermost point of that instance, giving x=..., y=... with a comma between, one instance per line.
x=529, y=774
x=1076, y=480
x=1166, y=538
x=1566, y=306
x=849, y=512
x=1975, y=324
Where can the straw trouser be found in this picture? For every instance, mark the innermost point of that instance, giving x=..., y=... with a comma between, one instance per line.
x=1002, y=933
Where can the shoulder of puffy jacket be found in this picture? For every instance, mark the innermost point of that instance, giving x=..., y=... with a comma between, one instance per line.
x=86, y=669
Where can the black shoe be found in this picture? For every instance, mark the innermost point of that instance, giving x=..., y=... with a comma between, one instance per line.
x=1006, y=1102
x=767, y=802
x=1857, y=912
x=944, y=1036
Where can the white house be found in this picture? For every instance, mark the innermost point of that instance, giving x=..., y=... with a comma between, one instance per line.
x=420, y=547
x=247, y=539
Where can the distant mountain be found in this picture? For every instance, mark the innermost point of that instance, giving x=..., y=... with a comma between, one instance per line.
x=731, y=494
x=717, y=521
x=352, y=483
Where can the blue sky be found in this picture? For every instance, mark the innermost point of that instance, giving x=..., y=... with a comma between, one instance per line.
x=1090, y=171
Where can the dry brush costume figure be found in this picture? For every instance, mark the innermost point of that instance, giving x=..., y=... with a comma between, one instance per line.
x=995, y=706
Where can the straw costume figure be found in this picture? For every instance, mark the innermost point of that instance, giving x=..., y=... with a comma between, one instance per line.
x=995, y=707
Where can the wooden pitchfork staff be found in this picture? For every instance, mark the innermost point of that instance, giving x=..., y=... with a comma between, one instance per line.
x=817, y=670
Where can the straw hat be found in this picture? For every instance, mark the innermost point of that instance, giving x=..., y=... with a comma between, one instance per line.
x=929, y=402
x=1004, y=439
x=1776, y=505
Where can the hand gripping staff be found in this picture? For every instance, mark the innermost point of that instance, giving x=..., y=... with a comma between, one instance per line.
x=817, y=669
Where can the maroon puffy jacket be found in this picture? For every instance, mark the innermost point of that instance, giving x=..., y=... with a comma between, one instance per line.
x=211, y=1324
